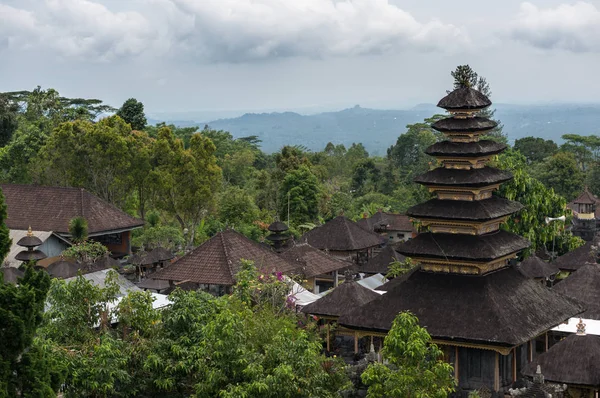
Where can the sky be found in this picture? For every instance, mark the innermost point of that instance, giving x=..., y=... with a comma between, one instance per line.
x=227, y=56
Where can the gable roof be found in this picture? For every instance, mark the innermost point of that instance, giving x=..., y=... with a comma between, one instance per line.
x=534, y=267
x=344, y=298
x=51, y=209
x=393, y=222
x=342, y=234
x=379, y=264
x=583, y=286
x=217, y=260
x=312, y=262
x=501, y=308
x=576, y=259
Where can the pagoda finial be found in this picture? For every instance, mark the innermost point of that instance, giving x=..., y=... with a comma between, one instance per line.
x=29, y=231
x=580, y=328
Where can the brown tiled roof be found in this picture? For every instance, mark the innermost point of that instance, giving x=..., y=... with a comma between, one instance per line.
x=312, y=262
x=393, y=221
x=586, y=198
x=51, y=209
x=342, y=234
x=217, y=260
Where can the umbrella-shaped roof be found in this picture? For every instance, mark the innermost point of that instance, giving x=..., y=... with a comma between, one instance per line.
x=11, y=274
x=63, y=269
x=161, y=254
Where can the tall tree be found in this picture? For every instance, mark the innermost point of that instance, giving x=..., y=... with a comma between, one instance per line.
x=9, y=111
x=535, y=149
x=416, y=367
x=300, y=193
x=560, y=172
x=132, y=111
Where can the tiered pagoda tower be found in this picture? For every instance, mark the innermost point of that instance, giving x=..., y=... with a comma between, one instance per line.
x=463, y=221
x=488, y=318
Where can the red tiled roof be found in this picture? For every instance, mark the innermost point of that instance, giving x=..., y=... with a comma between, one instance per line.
x=51, y=209
x=312, y=262
x=217, y=260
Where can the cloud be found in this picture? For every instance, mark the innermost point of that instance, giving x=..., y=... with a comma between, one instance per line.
x=223, y=30
x=573, y=27
x=243, y=30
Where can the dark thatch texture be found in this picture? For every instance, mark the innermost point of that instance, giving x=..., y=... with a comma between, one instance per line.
x=343, y=299
x=106, y=262
x=379, y=264
x=29, y=241
x=465, y=149
x=217, y=260
x=312, y=262
x=153, y=284
x=397, y=281
x=63, y=269
x=466, y=247
x=142, y=258
x=342, y=234
x=391, y=222
x=577, y=258
x=278, y=226
x=30, y=255
x=584, y=286
x=536, y=268
x=51, y=209
x=466, y=178
x=161, y=254
x=573, y=360
x=465, y=210
x=468, y=125
x=11, y=274
x=464, y=98
x=502, y=308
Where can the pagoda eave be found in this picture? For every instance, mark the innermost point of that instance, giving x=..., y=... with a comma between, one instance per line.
x=464, y=178
x=466, y=150
x=462, y=267
x=484, y=210
x=474, y=124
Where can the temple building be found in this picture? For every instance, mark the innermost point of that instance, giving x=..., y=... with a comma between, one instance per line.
x=584, y=286
x=585, y=220
x=481, y=311
x=278, y=235
x=379, y=264
x=393, y=227
x=575, y=259
x=535, y=268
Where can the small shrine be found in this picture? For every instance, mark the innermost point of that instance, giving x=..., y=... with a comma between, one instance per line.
x=584, y=211
x=30, y=242
x=278, y=235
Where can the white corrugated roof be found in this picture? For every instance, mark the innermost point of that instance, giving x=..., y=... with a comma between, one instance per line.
x=99, y=279
x=592, y=326
x=16, y=235
x=373, y=282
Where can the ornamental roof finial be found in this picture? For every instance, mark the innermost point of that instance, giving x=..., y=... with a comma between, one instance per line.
x=580, y=328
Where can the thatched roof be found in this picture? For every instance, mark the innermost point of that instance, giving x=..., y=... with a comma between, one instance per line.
x=379, y=264
x=30, y=255
x=11, y=274
x=466, y=247
x=217, y=260
x=464, y=98
x=342, y=234
x=391, y=221
x=577, y=258
x=466, y=178
x=536, y=268
x=63, y=269
x=142, y=258
x=584, y=286
x=29, y=240
x=465, y=149
x=161, y=254
x=153, y=284
x=501, y=308
x=278, y=226
x=471, y=210
x=344, y=298
x=105, y=262
x=468, y=125
x=573, y=360
x=312, y=262
x=397, y=281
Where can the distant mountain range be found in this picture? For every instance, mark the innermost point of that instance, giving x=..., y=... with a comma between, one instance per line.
x=378, y=129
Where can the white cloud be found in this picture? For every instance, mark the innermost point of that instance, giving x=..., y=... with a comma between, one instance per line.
x=573, y=27
x=224, y=30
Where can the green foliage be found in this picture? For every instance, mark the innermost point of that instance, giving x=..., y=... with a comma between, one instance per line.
x=398, y=268
x=535, y=149
x=560, y=172
x=408, y=154
x=586, y=149
x=416, y=367
x=5, y=240
x=132, y=112
x=86, y=251
x=16, y=157
x=237, y=207
x=301, y=189
x=78, y=229
x=8, y=119
x=166, y=236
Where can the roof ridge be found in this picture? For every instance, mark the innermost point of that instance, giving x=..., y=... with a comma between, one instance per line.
x=226, y=252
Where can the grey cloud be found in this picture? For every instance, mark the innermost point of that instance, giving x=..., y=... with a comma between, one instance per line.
x=572, y=27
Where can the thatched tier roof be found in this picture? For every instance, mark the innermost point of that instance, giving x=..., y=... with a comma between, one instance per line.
x=468, y=125
x=310, y=261
x=29, y=241
x=500, y=308
x=575, y=259
x=342, y=234
x=573, y=360
x=30, y=255
x=465, y=210
x=584, y=286
x=467, y=178
x=343, y=299
x=486, y=247
x=277, y=237
x=536, y=268
x=464, y=98
x=465, y=149
x=379, y=264
x=278, y=226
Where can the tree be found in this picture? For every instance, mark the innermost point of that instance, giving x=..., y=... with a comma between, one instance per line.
x=132, y=112
x=560, y=172
x=8, y=119
x=586, y=149
x=416, y=367
x=78, y=229
x=5, y=240
x=535, y=149
x=237, y=207
x=300, y=192
x=17, y=156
